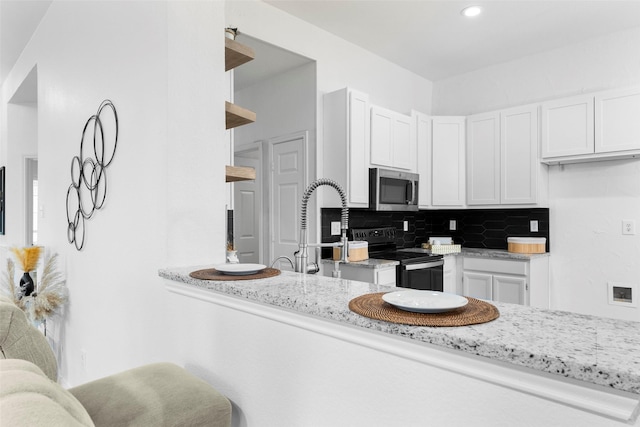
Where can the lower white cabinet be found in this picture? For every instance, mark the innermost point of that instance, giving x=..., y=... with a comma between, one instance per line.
x=523, y=282
x=377, y=276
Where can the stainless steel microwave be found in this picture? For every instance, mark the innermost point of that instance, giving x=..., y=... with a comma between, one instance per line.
x=391, y=190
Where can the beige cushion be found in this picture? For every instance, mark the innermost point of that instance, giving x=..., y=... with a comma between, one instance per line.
x=29, y=398
x=160, y=394
x=20, y=340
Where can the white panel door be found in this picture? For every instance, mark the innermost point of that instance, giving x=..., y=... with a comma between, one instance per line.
x=519, y=158
x=483, y=159
x=477, y=285
x=288, y=180
x=617, y=120
x=381, y=137
x=247, y=213
x=448, y=177
x=567, y=127
x=511, y=289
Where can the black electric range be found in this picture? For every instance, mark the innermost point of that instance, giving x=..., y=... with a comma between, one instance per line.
x=418, y=269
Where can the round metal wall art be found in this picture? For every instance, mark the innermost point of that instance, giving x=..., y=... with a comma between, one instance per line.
x=88, y=190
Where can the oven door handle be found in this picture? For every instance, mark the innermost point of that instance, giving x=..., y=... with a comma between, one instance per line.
x=424, y=265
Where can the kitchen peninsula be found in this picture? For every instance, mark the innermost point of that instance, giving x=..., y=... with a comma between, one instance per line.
x=583, y=367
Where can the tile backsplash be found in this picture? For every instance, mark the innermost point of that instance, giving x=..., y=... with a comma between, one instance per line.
x=475, y=228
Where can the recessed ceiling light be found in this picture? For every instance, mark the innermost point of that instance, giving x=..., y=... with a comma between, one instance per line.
x=471, y=11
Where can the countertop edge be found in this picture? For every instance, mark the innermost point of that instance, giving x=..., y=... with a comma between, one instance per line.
x=604, y=375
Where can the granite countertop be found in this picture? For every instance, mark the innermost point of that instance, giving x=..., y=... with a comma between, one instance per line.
x=592, y=349
x=472, y=252
x=498, y=253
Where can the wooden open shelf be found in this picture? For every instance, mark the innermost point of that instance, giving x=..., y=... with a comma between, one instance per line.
x=238, y=116
x=240, y=173
x=236, y=54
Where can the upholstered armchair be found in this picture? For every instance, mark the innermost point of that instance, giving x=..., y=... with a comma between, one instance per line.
x=161, y=394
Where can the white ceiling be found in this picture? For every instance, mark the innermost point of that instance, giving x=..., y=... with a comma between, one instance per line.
x=432, y=38
x=428, y=37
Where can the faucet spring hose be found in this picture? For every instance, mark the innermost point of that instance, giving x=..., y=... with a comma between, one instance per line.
x=307, y=194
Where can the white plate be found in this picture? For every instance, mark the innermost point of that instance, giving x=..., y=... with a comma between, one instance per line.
x=240, y=269
x=425, y=301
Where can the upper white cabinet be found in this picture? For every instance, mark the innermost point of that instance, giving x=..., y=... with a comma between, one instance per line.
x=591, y=127
x=422, y=129
x=617, y=120
x=483, y=159
x=567, y=127
x=346, y=146
x=502, y=157
x=448, y=165
x=392, y=145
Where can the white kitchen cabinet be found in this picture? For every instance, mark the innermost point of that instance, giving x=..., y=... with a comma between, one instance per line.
x=567, y=126
x=422, y=128
x=483, y=159
x=502, y=157
x=448, y=161
x=377, y=276
x=591, y=127
x=346, y=146
x=477, y=285
x=391, y=142
x=519, y=165
x=523, y=282
x=512, y=289
x=617, y=120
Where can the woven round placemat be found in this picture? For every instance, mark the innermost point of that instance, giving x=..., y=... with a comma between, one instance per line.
x=374, y=307
x=213, y=274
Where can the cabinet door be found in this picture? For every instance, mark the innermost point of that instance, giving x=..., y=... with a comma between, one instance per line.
x=345, y=149
x=567, y=127
x=617, y=120
x=448, y=171
x=358, y=163
x=404, y=151
x=477, y=285
x=511, y=289
x=483, y=159
x=381, y=137
x=423, y=141
x=519, y=155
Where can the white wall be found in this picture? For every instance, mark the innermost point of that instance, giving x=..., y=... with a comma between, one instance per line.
x=162, y=204
x=587, y=201
x=339, y=63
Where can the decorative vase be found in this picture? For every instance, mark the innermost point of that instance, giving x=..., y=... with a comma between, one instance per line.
x=232, y=257
x=26, y=284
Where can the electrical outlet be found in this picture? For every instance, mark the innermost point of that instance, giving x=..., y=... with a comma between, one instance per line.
x=405, y=225
x=452, y=225
x=335, y=228
x=533, y=226
x=628, y=226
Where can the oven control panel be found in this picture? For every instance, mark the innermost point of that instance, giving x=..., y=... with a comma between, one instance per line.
x=374, y=235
